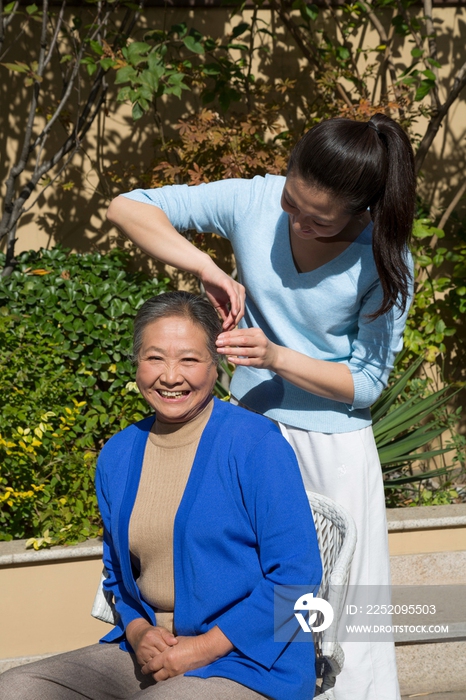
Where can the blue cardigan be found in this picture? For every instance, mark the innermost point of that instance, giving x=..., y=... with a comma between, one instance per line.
x=243, y=526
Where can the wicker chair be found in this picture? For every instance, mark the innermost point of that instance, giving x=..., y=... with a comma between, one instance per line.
x=336, y=533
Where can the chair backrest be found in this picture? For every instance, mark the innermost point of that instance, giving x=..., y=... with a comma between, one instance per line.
x=336, y=534
x=103, y=608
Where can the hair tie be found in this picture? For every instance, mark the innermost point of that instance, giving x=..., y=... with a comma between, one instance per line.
x=374, y=126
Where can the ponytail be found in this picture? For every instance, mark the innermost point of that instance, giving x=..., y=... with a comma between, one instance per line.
x=368, y=165
x=393, y=214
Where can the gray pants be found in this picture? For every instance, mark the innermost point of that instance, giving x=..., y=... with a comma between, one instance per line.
x=104, y=672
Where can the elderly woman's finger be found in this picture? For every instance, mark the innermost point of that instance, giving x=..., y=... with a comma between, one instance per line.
x=161, y=675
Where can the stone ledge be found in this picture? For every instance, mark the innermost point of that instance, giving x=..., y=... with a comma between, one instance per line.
x=432, y=668
x=399, y=520
x=426, y=517
x=15, y=552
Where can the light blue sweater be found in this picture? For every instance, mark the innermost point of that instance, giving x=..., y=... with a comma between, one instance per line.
x=242, y=529
x=322, y=313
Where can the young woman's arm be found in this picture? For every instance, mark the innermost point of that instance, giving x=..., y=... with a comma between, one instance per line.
x=358, y=381
x=150, y=229
x=251, y=347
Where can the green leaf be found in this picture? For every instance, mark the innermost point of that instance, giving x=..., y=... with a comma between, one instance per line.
x=155, y=65
x=124, y=94
x=107, y=63
x=240, y=29
x=312, y=11
x=179, y=29
x=97, y=47
x=390, y=395
x=150, y=79
x=8, y=9
x=342, y=53
x=17, y=67
x=423, y=260
x=393, y=483
x=125, y=74
x=30, y=9
x=417, y=53
x=211, y=69
x=238, y=47
x=137, y=111
x=193, y=44
x=136, y=52
x=424, y=88
x=143, y=94
x=429, y=74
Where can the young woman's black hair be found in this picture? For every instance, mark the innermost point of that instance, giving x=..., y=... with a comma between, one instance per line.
x=367, y=165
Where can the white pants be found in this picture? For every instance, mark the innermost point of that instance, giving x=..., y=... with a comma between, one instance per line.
x=346, y=468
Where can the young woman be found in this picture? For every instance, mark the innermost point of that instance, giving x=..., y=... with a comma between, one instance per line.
x=323, y=257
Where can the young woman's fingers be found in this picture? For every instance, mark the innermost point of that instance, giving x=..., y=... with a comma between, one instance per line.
x=225, y=294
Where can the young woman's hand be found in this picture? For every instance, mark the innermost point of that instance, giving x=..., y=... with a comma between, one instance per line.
x=248, y=346
x=252, y=348
x=150, y=229
x=224, y=293
x=148, y=641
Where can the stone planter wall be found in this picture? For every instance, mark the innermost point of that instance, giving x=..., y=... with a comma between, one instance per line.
x=428, y=547
x=46, y=596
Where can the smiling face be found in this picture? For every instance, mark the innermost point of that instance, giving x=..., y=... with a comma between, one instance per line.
x=314, y=214
x=176, y=373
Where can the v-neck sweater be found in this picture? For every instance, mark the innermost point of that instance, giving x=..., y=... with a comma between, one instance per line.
x=243, y=527
x=322, y=313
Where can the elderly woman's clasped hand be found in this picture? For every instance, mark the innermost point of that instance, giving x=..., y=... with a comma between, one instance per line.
x=148, y=641
x=188, y=654
x=163, y=655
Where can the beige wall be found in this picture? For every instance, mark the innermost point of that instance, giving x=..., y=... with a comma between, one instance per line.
x=424, y=541
x=76, y=218
x=45, y=608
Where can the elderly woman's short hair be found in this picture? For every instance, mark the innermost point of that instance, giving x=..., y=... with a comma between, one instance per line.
x=195, y=308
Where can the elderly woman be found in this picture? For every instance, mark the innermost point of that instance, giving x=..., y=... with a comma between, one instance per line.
x=204, y=513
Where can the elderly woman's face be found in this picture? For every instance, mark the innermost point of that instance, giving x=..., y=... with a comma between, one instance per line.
x=176, y=373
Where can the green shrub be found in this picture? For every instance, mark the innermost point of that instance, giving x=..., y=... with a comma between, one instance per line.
x=66, y=383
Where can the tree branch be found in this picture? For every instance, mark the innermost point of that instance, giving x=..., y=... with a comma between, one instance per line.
x=348, y=46
x=436, y=121
x=73, y=141
x=68, y=89
x=55, y=34
x=5, y=21
x=386, y=41
x=449, y=210
x=18, y=168
x=434, y=97
x=432, y=44
x=52, y=181
x=308, y=51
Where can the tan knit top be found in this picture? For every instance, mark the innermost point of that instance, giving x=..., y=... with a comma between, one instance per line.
x=168, y=458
